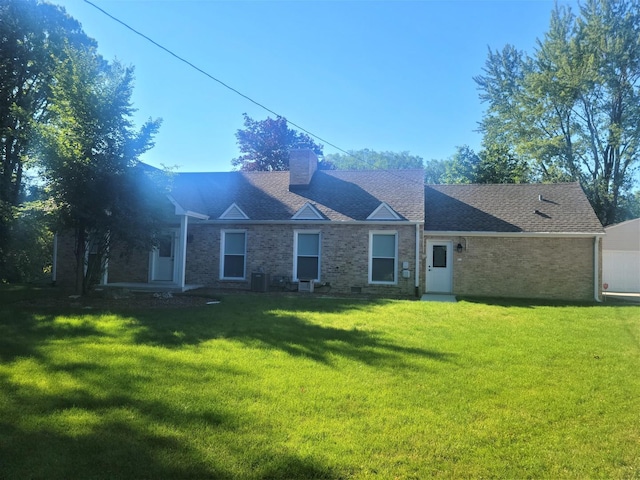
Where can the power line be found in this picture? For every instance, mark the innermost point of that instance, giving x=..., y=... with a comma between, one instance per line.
x=229, y=87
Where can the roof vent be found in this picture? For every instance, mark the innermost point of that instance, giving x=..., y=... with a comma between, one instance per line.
x=540, y=199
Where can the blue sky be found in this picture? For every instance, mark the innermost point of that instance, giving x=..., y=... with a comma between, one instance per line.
x=384, y=75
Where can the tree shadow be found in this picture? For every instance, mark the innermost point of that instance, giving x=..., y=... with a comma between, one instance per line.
x=21, y=332
x=533, y=302
x=283, y=328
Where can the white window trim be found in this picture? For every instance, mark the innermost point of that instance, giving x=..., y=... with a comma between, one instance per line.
x=223, y=236
x=372, y=233
x=295, y=252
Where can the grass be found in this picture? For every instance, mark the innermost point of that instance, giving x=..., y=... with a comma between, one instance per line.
x=288, y=387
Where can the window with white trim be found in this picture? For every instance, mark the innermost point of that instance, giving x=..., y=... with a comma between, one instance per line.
x=306, y=255
x=383, y=257
x=233, y=254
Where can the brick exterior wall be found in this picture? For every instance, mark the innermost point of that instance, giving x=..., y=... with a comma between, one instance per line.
x=66, y=261
x=128, y=266
x=344, y=255
x=533, y=267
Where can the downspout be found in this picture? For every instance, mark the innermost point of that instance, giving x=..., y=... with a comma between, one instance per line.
x=417, y=275
x=596, y=269
x=182, y=265
x=54, y=263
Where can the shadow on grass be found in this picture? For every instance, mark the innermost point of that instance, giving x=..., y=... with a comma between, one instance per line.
x=108, y=426
x=533, y=303
x=22, y=332
x=285, y=329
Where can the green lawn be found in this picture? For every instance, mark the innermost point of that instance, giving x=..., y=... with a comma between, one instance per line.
x=263, y=387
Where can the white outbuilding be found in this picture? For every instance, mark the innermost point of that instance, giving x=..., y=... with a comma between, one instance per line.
x=621, y=257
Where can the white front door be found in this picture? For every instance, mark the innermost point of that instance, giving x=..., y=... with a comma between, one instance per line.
x=163, y=258
x=439, y=266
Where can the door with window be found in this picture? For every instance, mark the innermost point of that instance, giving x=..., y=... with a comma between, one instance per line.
x=439, y=266
x=163, y=258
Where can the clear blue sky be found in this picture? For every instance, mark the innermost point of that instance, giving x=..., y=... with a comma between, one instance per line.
x=384, y=75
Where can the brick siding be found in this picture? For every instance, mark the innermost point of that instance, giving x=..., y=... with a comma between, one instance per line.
x=529, y=267
x=344, y=255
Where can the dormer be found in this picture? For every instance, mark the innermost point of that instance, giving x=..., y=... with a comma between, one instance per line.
x=308, y=212
x=234, y=212
x=384, y=212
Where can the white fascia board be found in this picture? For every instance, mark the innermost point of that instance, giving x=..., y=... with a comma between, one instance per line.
x=463, y=233
x=179, y=211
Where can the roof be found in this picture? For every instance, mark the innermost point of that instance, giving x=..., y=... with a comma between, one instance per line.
x=337, y=195
x=528, y=208
x=623, y=236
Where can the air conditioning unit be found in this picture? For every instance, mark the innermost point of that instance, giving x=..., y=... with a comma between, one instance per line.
x=305, y=286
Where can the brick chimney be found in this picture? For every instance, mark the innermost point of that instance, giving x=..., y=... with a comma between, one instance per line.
x=302, y=165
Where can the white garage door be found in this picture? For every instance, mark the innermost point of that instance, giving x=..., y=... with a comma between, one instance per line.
x=621, y=270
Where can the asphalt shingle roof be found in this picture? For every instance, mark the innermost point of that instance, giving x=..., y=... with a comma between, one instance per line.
x=338, y=195
x=564, y=208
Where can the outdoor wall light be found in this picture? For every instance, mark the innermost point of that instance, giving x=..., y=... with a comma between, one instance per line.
x=459, y=248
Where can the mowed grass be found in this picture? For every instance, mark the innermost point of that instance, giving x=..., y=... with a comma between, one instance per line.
x=263, y=387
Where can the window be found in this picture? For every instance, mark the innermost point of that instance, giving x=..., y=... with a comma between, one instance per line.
x=232, y=260
x=306, y=255
x=383, y=253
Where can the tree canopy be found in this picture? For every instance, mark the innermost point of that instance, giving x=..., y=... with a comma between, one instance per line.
x=572, y=108
x=265, y=144
x=89, y=149
x=495, y=164
x=366, y=159
x=33, y=37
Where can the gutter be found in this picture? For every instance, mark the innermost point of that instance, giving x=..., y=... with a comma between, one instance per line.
x=596, y=268
x=435, y=233
x=417, y=274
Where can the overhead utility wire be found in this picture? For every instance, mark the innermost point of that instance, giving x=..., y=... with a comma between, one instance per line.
x=184, y=60
x=229, y=87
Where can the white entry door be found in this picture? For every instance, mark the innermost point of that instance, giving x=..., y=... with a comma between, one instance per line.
x=163, y=258
x=439, y=266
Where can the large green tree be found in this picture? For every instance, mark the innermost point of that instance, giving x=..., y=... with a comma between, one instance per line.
x=494, y=164
x=572, y=108
x=265, y=144
x=33, y=36
x=366, y=159
x=90, y=150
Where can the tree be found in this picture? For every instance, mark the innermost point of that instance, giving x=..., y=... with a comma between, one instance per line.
x=265, y=144
x=32, y=39
x=572, y=109
x=498, y=164
x=89, y=157
x=366, y=159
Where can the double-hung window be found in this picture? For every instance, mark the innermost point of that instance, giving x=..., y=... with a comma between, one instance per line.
x=233, y=254
x=383, y=257
x=306, y=255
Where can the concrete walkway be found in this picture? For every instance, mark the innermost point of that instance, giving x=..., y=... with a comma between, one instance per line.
x=438, y=297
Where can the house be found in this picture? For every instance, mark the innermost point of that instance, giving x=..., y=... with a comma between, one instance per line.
x=369, y=232
x=621, y=257
x=512, y=240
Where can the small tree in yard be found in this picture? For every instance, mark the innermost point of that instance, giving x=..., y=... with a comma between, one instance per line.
x=89, y=153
